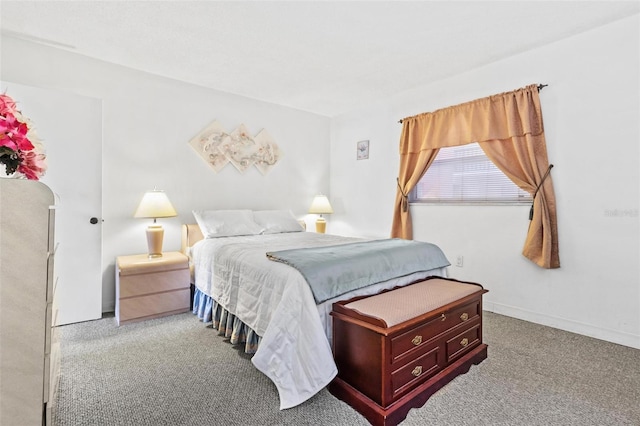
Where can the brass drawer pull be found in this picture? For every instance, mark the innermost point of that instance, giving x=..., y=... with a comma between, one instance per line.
x=417, y=371
x=416, y=340
x=443, y=317
x=464, y=316
x=464, y=342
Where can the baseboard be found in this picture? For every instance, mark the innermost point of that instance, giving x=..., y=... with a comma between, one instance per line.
x=614, y=336
x=109, y=306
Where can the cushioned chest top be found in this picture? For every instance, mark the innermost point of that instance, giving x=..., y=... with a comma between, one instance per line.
x=405, y=303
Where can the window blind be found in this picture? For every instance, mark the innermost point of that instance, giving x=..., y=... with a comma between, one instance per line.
x=464, y=174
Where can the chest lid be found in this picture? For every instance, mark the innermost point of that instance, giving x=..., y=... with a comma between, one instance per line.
x=402, y=304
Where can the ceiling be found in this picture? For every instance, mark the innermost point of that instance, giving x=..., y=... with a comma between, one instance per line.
x=318, y=56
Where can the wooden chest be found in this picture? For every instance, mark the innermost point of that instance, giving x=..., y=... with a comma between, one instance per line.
x=397, y=348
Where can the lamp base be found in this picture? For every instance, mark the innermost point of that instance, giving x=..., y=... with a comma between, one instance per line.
x=321, y=225
x=155, y=235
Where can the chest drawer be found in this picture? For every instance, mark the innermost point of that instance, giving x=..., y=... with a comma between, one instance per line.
x=416, y=371
x=463, y=342
x=408, y=343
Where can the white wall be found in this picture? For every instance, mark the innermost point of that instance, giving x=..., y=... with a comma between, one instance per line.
x=591, y=111
x=147, y=123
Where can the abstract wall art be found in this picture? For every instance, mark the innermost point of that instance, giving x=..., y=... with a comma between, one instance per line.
x=217, y=147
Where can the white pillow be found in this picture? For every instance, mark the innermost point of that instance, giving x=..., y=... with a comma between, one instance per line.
x=277, y=221
x=226, y=223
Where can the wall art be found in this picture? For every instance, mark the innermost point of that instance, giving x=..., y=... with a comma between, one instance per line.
x=362, y=150
x=217, y=148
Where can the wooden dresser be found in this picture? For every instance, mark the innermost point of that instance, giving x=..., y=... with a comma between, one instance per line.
x=29, y=361
x=151, y=287
x=397, y=348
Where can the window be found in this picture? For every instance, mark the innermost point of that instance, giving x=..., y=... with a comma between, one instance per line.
x=464, y=174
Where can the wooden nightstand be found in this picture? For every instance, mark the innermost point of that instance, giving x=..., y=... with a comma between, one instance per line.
x=151, y=287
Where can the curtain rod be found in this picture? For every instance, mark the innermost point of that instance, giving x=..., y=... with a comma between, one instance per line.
x=540, y=87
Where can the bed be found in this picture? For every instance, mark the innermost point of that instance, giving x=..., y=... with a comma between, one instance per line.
x=268, y=306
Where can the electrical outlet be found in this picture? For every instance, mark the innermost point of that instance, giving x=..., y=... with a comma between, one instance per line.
x=459, y=261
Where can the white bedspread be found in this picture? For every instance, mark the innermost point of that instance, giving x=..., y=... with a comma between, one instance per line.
x=276, y=302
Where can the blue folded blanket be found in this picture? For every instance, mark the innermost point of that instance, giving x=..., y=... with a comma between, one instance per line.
x=335, y=270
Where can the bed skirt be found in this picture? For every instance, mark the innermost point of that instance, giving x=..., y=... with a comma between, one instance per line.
x=227, y=324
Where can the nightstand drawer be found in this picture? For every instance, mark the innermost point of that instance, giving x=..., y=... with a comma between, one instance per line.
x=154, y=282
x=157, y=304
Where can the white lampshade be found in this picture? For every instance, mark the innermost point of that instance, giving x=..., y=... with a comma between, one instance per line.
x=155, y=204
x=321, y=205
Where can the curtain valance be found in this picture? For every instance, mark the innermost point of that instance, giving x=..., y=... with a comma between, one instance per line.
x=499, y=116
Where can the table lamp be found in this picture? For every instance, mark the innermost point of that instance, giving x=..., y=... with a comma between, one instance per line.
x=321, y=205
x=155, y=204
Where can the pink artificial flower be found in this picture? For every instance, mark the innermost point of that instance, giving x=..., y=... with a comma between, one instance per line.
x=33, y=165
x=17, y=151
x=6, y=141
x=13, y=134
x=7, y=105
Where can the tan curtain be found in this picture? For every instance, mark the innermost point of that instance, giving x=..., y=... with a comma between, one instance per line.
x=412, y=167
x=509, y=128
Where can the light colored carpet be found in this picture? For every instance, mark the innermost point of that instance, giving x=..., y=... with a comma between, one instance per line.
x=177, y=371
